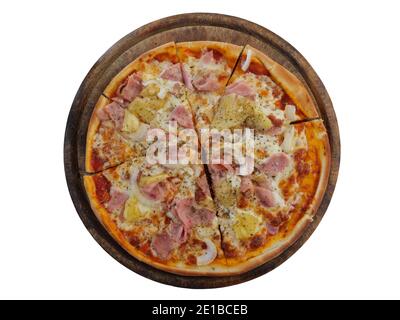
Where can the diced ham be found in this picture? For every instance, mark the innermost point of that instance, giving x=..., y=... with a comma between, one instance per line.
x=114, y=112
x=191, y=217
x=182, y=209
x=182, y=116
x=203, y=188
x=221, y=169
x=263, y=182
x=153, y=191
x=207, y=57
x=118, y=199
x=173, y=73
x=241, y=88
x=131, y=88
x=177, y=232
x=187, y=80
x=162, y=245
x=275, y=164
x=120, y=101
x=158, y=191
x=265, y=196
x=206, y=82
x=246, y=184
x=202, y=216
x=102, y=114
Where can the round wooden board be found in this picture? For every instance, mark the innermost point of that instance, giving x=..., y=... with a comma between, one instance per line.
x=186, y=27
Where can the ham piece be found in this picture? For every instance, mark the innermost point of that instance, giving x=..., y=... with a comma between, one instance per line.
x=275, y=164
x=131, y=88
x=182, y=116
x=117, y=200
x=112, y=111
x=241, y=88
x=187, y=80
x=206, y=82
x=173, y=73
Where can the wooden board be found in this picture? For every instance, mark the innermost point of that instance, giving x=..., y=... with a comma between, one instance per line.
x=186, y=27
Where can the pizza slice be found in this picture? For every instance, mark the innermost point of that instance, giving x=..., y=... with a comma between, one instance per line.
x=263, y=212
x=162, y=215
x=206, y=69
x=147, y=94
x=264, y=96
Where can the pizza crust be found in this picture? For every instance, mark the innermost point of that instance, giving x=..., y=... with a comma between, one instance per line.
x=289, y=82
x=94, y=124
x=230, y=51
x=325, y=158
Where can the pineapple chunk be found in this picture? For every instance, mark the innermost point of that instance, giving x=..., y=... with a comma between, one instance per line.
x=246, y=224
x=225, y=193
x=258, y=120
x=145, y=108
x=150, y=90
x=152, y=179
x=132, y=212
x=131, y=122
x=232, y=112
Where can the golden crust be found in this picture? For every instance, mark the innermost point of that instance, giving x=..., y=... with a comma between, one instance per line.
x=168, y=50
x=289, y=82
x=92, y=129
x=230, y=51
x=317, y=128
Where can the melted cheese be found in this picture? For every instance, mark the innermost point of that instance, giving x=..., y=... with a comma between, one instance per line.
x=266, y=142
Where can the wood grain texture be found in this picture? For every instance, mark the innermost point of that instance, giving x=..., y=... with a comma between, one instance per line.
x=186, y=27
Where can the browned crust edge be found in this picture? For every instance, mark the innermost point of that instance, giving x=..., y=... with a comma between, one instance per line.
x=230, y=50
x=94, y=123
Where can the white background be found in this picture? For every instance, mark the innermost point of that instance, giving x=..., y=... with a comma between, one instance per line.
x=47, y=47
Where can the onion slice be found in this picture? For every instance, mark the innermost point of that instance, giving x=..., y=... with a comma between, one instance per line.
x=246, y=64
x=290, y=112
x=288, y=140
x=209, y=255
x=162, y=93
x=138, y=194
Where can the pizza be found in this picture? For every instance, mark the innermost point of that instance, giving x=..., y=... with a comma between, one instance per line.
x=244, y=194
